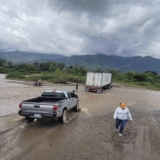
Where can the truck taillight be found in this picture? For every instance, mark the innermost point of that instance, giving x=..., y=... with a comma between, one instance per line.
x=55, y=108
x=20, y=105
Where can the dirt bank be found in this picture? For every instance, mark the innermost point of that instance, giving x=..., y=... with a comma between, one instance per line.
x=90, y=134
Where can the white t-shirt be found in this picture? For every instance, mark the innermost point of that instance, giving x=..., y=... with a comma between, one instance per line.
x=122, y=114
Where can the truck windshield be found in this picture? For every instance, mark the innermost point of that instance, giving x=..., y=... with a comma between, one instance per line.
x=53, y=94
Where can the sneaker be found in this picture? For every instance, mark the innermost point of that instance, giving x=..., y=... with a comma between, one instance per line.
x=116, y=129
x=120, y=134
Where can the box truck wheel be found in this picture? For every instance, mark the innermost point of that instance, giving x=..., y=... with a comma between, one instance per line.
x=105, y=87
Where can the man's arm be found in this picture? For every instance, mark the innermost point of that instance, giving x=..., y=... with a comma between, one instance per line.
x=115, y=114
x=129, y=115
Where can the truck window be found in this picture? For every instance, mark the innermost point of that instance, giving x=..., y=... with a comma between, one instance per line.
x=69, y=96
x=53, y=94
x=72, y=95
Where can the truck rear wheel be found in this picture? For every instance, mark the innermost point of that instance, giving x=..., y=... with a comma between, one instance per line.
x=63, y=118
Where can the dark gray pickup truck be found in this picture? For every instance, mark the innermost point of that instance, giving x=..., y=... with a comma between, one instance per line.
x=51, y=104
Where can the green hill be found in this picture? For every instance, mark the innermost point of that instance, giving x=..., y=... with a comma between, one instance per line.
x=91, y=62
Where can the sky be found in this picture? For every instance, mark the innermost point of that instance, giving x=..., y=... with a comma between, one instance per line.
x=78, y=27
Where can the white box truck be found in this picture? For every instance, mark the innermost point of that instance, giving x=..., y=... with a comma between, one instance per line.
x=98, y=81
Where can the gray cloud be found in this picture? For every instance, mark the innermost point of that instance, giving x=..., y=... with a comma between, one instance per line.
x=117, y=27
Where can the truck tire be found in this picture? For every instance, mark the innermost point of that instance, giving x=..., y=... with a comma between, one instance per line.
x=77, y=107
x=105, y=87
x=63, y=118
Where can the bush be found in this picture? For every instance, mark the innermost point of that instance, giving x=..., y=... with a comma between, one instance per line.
x=2, y=70
x=75, y=78
x=32, y=78
x=157, y=85
x=15, y=75
x=147, y=84
x=59, y=80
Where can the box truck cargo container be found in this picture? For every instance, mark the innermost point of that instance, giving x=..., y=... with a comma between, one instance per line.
x=98, y=81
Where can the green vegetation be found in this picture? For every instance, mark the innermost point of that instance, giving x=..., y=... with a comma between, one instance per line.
x=148, y=79
x=49, y=71
x=59, y=73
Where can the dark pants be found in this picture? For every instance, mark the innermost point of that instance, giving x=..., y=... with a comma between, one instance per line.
x=122, y=123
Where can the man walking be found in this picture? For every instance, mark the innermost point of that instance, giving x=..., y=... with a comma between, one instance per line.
x=121, y=115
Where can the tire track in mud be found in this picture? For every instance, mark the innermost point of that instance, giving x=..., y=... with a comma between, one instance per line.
x=31, y=147
x=142, y=146
x=147, y=145
x=39, y=140
x=154, y=134
x=147, y=148
x=8, y=133
x=8, y=139
x=139, y=143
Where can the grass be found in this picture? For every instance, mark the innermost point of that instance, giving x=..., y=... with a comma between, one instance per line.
x=49, y=77
x=140, y=85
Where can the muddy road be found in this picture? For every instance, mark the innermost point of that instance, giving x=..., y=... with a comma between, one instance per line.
x=89, y=134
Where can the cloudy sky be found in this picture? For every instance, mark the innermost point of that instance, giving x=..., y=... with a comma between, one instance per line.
x=78, y=27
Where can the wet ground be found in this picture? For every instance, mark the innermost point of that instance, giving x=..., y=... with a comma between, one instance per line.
x=89, y=134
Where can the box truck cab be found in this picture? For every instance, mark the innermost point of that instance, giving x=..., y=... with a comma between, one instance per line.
x=98, y=81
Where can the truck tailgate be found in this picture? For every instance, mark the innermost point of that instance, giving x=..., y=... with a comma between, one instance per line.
x=37, y=107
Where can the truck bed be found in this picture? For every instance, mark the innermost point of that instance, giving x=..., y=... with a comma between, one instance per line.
x=43, y=99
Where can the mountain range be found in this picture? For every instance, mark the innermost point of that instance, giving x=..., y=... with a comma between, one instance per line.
x=26, y=57
x=91, y=62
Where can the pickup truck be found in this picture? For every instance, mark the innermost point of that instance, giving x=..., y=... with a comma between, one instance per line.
x=51, y=104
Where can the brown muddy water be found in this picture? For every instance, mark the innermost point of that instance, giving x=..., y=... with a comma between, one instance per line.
x=89, y=134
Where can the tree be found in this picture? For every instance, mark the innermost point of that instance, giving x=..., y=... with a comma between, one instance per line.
x=70, y=71
x=152, y=72
x=99, y=70
x=61, y=66
x=30, y=68
x=9, y=64
x=116, y=74
x=58, y=71
x=129, y=76
x=76, y=69
x=36, y=65
x=140, y=77
x=82, y=71
x=44, y=66
x=52, y=67
x=150, y=77
x=2, y=62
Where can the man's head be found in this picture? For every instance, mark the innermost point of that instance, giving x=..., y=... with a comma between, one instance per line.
x=123, y=105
